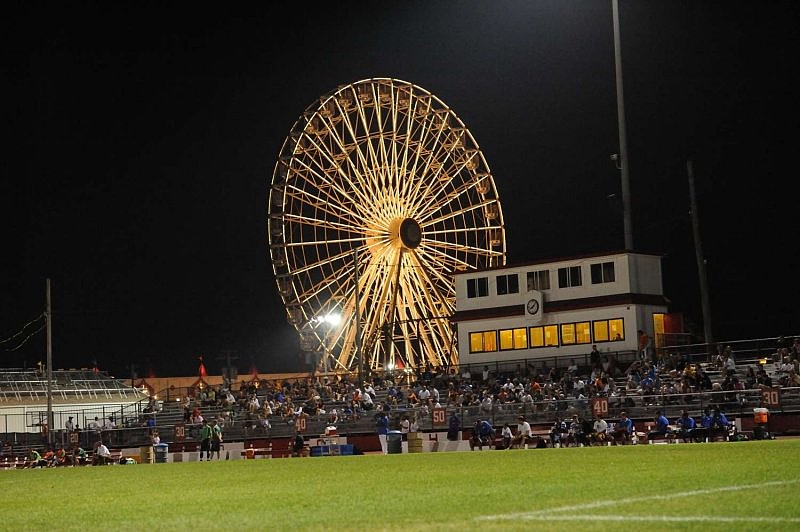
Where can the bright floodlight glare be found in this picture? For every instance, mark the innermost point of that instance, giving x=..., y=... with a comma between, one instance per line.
x=333, y=319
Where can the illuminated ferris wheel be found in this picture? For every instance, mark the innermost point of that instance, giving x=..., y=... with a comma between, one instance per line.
x=380, y=194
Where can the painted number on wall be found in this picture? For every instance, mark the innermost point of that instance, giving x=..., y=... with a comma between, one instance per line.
x=600, y=406
x=771, y=396
x=180, y=432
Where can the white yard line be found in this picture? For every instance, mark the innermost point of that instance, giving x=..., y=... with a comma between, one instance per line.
x=548, y=514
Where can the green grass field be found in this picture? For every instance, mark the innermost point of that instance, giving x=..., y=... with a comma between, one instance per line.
x=720, y=486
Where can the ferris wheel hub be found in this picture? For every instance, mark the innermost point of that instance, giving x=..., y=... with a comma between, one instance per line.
x=410, y=233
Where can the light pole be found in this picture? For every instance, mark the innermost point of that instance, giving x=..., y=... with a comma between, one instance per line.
x=623, y=145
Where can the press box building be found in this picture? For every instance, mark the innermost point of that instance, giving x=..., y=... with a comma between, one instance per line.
x=556, y=308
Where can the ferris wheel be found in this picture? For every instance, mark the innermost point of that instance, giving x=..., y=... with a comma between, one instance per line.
x=380, y=194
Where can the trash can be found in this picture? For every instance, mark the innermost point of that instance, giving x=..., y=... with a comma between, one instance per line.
x=161, y=453
x=394, y=442
x=758, y=432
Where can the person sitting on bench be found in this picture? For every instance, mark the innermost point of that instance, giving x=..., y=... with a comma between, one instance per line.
x=523, y=436
x=661, y=428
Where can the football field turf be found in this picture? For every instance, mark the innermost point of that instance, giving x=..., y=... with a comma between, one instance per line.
x=713, y=486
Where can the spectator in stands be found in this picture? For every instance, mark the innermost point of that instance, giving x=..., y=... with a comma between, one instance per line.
x=644, y=345
x=196, y=417
x=661, y=427
x=728, y=364
x=453, y=427
x=686, y=425
x=486, y=404
x=763, y=380
x=366, y=402
x=369, y=390
x=794, y=351
x=94, y=425
x=594, y=357
x=466, y=376
x=69, y=425
x=623, y=430
x=382, y=423
x=702, y=380
x=572, y=369
x=599, y=431
x=485, y=376
x=524, y=435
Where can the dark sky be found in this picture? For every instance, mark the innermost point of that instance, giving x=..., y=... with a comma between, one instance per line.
x=140, y=144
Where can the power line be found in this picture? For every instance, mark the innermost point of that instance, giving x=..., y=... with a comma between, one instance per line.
x=21, y=331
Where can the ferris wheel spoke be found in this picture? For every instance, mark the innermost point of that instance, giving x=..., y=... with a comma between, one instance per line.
x=323, y=184
x=443, y=247
x=447, y=262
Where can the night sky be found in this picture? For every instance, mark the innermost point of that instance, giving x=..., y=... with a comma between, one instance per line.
x=140, y=144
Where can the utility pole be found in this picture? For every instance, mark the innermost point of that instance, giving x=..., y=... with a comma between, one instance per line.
x=48, y=315
x=701, y=261
x=623, y=144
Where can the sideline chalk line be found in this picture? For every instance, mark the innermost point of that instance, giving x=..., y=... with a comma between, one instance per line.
x=548, y=514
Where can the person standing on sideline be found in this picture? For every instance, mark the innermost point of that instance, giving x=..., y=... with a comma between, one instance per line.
x=453, y=427
x=205, y=441
x=383, y=430
x=216, y=439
